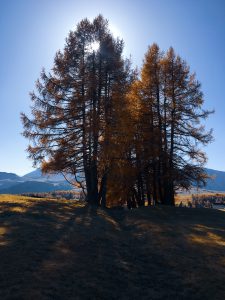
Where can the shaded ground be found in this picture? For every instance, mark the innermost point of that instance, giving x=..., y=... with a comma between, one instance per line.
x=59, y=250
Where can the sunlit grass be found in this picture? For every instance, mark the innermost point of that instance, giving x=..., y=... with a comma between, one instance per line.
x=205, y=236
x=18, y=199
x=185, y=198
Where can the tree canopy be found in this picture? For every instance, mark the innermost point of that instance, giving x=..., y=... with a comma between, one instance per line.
x=125, y=137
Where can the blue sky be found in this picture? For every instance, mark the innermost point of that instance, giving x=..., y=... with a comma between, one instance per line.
x=32, y=31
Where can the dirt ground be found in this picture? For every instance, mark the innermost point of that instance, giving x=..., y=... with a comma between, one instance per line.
x=52, y=249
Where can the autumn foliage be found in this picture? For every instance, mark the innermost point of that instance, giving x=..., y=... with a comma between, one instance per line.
x=127, y=138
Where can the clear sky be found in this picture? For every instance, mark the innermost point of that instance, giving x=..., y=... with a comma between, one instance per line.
x=32, y=31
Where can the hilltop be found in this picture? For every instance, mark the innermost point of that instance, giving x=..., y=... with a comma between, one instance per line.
x=54, y=249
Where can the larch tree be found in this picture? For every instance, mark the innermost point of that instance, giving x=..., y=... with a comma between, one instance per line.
x=74, y=108
x=183, y=132
x=124, y=138
x=170, y=114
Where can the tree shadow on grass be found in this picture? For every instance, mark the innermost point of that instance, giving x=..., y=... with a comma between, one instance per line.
x=191, y=244
x=53, y=250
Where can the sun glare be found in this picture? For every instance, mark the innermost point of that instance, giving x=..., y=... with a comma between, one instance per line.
x=94, y=46
x=115, y=31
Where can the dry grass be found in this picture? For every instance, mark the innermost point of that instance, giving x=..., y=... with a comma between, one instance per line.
x=185, y=198
x=51, y=249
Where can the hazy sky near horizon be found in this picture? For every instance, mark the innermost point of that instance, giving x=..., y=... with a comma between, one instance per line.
x=32, y=31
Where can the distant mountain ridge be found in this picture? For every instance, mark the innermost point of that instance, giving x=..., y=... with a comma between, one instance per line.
x=217, y=182
x=8, y=176
x=35, y=181
x=34, y=187
x=37, y=174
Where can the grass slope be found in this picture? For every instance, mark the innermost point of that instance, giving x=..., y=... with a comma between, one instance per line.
x=61, y=250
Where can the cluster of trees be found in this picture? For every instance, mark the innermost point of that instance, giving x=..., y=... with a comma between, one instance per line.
x=132, y=138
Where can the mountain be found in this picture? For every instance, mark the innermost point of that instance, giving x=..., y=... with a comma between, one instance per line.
x=8, y=179
x=8, y=176
x=217, y=182
x=35, y=181
x=37, y=175
x=35, y=187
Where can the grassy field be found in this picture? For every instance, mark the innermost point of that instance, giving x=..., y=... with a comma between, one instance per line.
x=52, y=249
x=185, y=198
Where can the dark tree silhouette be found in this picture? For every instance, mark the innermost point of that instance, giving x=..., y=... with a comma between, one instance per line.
x=75, y=106
x=129, y=138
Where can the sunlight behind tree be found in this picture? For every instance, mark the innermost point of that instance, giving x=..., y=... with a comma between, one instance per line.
x=94, y=46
